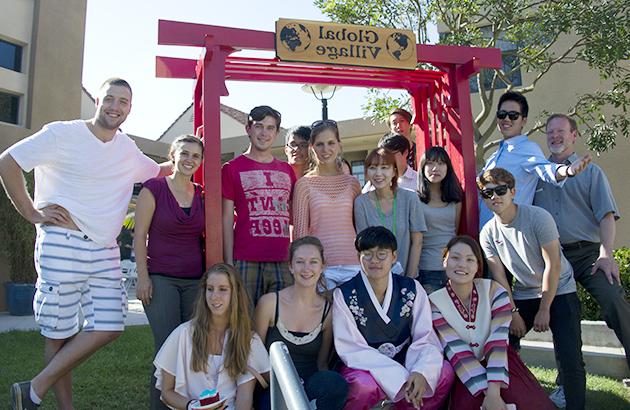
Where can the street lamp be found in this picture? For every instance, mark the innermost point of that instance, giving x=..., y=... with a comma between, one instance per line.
x=322, y=93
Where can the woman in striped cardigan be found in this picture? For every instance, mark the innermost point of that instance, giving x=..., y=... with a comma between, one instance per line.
x=472, y=317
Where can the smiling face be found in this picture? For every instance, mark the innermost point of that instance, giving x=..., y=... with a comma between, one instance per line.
x=113, y=105
x=499, y=203
x=262, y=134
x=511, y=128
x=218, y=294
x=381, y=175
x=560, y=138
x=296, y=150
x=377, y=262
x=460, y=264
x=187, y=157
x=307, y=265
x=326, y=147
x=435, y=170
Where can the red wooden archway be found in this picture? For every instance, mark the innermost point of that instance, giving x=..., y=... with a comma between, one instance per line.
x=440, y=99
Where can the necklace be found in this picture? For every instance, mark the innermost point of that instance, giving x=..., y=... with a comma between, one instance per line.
x=381, y=214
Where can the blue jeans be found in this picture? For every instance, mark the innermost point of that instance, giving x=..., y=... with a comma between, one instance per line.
x=432, y=280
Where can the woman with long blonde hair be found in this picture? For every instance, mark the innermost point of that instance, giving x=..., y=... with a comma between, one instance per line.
x=217, y=349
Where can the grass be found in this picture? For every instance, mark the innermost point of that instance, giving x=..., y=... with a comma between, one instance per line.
x=117, y=377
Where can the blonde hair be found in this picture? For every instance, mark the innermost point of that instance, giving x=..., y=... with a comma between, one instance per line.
x=240, y=334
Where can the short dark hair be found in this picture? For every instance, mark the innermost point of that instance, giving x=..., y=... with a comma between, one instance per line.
x=496, y=176
x=516, y=97
x=375, y=237
x=450, y=188
x=400, y=111
x=572, y=122
x=301, y=131
x=474, y=246
x=262, y=111
x=394, y=142
x=116, y=81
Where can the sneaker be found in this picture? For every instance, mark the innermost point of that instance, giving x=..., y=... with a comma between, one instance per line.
x=557, y=397
x=21, y=397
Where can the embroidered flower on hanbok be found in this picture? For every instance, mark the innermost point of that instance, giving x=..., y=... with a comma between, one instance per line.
x=357, y=311
x=407, y=302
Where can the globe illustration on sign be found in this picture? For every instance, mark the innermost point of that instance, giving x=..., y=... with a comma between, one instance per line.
x=399, y=46
x=295, y=37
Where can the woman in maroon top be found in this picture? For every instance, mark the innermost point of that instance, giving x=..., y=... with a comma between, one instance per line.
x=168, y=244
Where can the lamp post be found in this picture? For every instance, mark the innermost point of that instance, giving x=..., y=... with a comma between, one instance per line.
x=322, y=93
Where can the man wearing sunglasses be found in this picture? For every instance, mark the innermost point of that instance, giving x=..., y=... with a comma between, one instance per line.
x=524, y=238
x=522, y=157
x=296, y=149
x=585, y=212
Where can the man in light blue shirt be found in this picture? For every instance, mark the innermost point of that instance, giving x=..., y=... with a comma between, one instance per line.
x=521, y=157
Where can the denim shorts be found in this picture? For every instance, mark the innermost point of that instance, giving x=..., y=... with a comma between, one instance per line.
x=432, y=280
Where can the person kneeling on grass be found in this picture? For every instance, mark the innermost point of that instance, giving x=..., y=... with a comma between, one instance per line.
x=383, y=333
x=472, y=316
x=217, y=349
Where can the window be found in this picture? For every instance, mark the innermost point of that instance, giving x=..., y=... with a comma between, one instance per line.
x=9, y=105
x=10, y=56
x=357, y=171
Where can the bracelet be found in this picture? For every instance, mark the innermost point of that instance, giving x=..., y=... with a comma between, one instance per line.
x=515, y=310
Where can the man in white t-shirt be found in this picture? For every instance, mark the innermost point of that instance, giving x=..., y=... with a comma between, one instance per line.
x=84, y=177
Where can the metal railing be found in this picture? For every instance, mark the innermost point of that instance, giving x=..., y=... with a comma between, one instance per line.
x=286, y=389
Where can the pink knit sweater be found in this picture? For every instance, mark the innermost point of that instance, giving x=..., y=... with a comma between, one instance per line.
x=322, y=207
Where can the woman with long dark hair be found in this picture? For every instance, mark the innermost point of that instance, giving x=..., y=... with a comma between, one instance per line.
x=441, y=198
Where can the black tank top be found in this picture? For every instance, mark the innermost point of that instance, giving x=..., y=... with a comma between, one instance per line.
x=303, y=347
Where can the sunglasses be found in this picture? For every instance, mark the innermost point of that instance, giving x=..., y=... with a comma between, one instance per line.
x=293, y=145
x=321, y=123
x=500, y=190
x=501, y=114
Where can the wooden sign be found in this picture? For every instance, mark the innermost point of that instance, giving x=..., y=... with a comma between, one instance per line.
x=333, y=43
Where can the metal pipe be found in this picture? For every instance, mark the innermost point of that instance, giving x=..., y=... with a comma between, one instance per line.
x=286, y=389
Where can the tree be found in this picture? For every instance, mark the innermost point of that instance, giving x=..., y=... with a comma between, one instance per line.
x=535, y=36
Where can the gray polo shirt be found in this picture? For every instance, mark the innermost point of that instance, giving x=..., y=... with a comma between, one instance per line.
x=519, y=246
x=580, y=205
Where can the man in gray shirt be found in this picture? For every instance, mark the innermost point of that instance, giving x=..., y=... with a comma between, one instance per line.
x=524, y=238
x=585, y=212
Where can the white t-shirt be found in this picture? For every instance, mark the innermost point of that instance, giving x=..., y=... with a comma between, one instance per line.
x=175, y=357
x=92, y=179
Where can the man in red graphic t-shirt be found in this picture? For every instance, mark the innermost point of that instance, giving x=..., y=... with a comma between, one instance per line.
x=258, y=188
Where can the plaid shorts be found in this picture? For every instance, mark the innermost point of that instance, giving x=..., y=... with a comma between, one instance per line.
x=263, y=277
x=76, y=275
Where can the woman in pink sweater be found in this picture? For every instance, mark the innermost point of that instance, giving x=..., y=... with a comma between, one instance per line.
x=323, y=204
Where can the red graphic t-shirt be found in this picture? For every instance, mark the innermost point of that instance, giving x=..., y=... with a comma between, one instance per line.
x=261, y=193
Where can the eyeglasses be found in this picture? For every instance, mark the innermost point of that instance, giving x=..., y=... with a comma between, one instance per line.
x=380, y=255
x=293, y=145
x=321, y=123
x=500, y=190
x=501, y=114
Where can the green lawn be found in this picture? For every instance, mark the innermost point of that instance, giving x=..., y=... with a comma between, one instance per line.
x=117, y=377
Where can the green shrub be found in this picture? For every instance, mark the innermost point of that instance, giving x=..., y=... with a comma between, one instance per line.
x=590, y=308
x=17, y=240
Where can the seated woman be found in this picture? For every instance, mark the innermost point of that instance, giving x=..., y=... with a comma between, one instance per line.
x=301, y=317
x=217, y=349
x=472, y=317
x=383, y=333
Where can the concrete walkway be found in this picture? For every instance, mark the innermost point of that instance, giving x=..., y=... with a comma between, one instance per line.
x=135, y=316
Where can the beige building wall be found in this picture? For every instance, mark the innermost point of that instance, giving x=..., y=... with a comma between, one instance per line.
x=49, y=84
